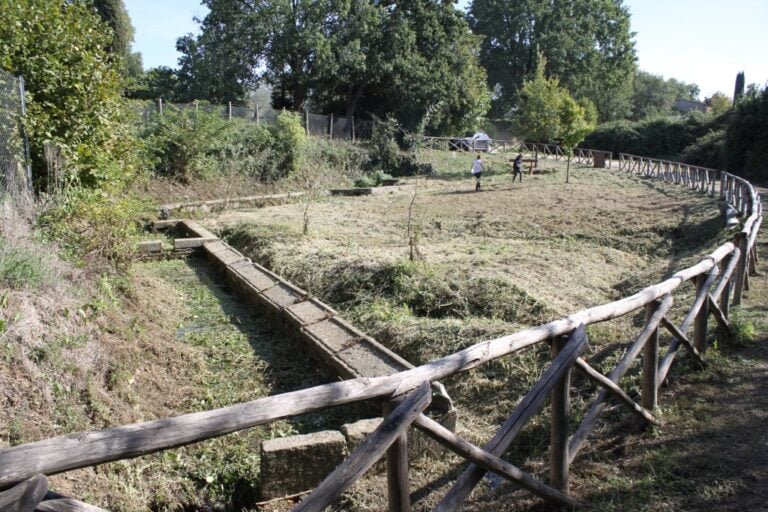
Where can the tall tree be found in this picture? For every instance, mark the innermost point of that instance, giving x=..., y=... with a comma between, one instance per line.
x=378, y=57
x=587, y=43
x=653, y=96
x=114, y=14
x=738, y=90
x=538, y=115
x=73, y=88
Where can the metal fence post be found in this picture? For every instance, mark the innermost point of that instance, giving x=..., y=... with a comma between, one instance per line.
x=27, y=158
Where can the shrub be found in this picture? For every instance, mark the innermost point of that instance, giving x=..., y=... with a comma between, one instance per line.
x=73, y=88
x=385, y=151
x=664, y=138
x=192, y=143
x=289, y=142
x=373, y=180
x=706, y=151
x=95, y=228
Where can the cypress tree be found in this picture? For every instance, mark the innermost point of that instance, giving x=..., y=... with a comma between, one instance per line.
x=738, y=91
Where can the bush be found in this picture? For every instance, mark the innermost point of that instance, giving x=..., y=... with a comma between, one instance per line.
x=707, y=151
x=192, y=143
x=289, y=143
x=73, y=88
x=95, y=228
x=664, y=138
x=385, y=151
x=376, y=179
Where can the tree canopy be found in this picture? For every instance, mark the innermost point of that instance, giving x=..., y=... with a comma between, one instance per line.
x=354, y=57
x=587, y=44
x=653, y=96
x=73, y=88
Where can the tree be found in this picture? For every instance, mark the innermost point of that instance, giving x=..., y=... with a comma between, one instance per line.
x=548, y=112
x=345, y=56
x=574, y=126
x=114, y=14
x=538, y=114
x=73, y=89
x=587, y=43
x=653, y=96
x=738, y=90
x=718, y=103
x=160, y=82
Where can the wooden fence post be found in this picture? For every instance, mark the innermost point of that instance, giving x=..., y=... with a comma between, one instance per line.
x=330, y=128
x=397, y=470
x=558, y=450
x=650, y=391
x=369, y=451
x=741, y=268
x=700, y=323
x=725, y=295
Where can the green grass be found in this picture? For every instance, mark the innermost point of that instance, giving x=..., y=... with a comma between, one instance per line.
x=22, y=267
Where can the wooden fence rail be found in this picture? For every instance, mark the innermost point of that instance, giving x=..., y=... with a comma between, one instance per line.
x=720, y=279
x=580, y=155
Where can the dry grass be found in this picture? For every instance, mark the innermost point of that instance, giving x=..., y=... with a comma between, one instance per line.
x=551, y=248
x=496, y=261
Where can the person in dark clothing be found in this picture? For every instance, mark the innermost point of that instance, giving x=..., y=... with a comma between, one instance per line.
x=517, y=168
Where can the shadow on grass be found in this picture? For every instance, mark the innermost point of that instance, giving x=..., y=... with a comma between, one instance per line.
x=289, y=364
x=711, y=455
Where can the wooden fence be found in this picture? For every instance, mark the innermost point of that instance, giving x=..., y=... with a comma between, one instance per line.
x=719, y=279
x=553, y=151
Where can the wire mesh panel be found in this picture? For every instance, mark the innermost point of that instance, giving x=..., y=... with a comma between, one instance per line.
x=317, y=124
x=14, y=153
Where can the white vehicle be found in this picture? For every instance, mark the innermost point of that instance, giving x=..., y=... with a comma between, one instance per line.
x=472, y=141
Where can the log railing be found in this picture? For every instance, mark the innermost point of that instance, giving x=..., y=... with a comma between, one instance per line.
x=719, y=278
x=553, y=151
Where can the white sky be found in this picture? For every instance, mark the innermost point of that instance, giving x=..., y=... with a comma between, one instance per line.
x=705, y=42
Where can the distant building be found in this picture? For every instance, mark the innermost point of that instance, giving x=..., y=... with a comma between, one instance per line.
x=685, y=106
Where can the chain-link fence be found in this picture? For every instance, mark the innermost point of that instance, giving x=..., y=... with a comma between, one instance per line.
x=15, y=172
x=320, y=125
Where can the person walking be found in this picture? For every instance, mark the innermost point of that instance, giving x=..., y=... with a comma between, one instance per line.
x=477, y=171
x=517, y=169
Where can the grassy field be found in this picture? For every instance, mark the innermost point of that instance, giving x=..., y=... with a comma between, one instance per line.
x=485, y=264
x=173, y=340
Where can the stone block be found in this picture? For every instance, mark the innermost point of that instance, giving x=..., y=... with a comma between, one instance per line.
x=254, y=276
x=357, y=432
x=152, y=246
x=195, y=230
x=190, y=243
x=294, y=464
x=308, y=312
x=281, y=295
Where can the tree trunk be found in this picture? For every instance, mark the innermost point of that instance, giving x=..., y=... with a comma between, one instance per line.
x=353, y=96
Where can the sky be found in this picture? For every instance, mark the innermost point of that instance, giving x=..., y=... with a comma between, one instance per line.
x=705, y=42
